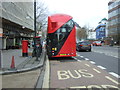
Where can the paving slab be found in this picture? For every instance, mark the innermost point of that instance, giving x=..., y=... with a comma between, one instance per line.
x=21, y=80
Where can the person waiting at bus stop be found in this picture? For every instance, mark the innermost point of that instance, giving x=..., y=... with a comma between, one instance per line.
x=37, y=47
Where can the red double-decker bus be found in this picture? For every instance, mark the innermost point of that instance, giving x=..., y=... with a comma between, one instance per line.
x=61, y=36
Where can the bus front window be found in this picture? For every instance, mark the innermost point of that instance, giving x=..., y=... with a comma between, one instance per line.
x=63, y=31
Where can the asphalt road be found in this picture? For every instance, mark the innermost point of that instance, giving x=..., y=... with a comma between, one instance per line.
x=103, y=56
x=79, y=73
x=95, y=69
x=107, y=50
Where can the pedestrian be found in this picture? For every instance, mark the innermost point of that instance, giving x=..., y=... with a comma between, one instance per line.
x=111, y=43
x=28, y=44
x=33, y=44
x=102, y=42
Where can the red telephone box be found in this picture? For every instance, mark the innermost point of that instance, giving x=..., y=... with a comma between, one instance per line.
x=24, y=48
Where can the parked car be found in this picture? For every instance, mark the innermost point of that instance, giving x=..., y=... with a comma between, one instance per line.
x=83, y=45
x=97, y=43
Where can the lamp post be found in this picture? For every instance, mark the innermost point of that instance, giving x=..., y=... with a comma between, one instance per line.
x=35, y=16
x=34, y=51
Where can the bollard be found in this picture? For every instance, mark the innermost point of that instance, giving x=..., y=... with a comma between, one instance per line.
x=24, y=48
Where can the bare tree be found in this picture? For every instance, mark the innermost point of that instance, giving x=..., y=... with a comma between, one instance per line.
x=82, y=33
x=41, y=16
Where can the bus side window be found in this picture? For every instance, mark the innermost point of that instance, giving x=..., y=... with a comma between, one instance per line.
x=63, y=30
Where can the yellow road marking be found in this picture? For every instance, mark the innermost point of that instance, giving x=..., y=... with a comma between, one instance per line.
x=101, y=87
x=96, y=70
x=78, y=60
x=78, y=87
x=111, y=80
x=87, y=65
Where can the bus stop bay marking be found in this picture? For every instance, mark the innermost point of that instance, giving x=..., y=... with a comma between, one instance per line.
x=63, y=75
x=77, y=59
x=96, y=70
x=112, y=80
x=87, y=65
x=100, y=87
x=81, y=56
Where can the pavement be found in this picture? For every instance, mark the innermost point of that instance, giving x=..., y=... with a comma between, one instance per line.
x=7, y=57
x=20, y=81
x=26, y=72
x=20, y=63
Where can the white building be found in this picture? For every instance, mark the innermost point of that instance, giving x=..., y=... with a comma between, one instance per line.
x=91, y=34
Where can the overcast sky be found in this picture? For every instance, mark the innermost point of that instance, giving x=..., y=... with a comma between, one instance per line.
x=84, y=12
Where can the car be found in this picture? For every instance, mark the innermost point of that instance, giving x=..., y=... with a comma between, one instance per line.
x=83, y=45
x=97, y=43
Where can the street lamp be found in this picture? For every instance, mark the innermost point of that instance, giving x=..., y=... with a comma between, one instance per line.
x=35, y=16
x=34, y=51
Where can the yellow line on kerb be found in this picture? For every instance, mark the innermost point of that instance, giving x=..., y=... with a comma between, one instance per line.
x=96, y=70
x=111, y=79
